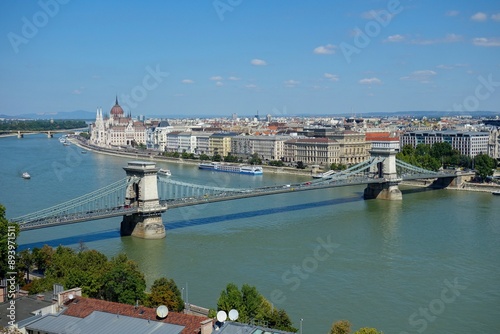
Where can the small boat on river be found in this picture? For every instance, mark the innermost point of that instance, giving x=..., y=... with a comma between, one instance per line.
x=164, y=172
x=26, y=176
x=497, y=193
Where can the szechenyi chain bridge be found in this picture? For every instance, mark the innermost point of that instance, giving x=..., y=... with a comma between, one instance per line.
x=143, y=195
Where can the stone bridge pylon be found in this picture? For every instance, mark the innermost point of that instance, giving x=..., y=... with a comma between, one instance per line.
x=386, y=170
x=142, y=193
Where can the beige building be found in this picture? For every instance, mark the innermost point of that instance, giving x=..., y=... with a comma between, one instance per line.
x=318, y=151
x=353, y=147
x=266, y=147
x=220, y=143
x=117, y=129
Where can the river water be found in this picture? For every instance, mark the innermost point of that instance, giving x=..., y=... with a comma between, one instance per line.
x=429, y=263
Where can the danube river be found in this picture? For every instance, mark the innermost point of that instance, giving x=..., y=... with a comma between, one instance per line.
x=427, y=264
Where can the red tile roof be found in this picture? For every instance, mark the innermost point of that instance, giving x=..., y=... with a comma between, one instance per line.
x=381, y=136
x=82, y=307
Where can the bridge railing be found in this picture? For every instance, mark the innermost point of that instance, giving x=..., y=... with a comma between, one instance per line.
x=112, y=195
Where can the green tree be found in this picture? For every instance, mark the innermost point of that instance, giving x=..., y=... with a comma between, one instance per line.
x=123, y=282
x=252, y=305
x=230, y=298
x=367, y=330
x=7, y=235
x=25, y=262
x=301, y=165
x=203, y=156
x=439, y=150
x=90, y=266
x=255, y=159
x=230, y=158
x=164, y=291
x=422, y=149
x=42, y=257
x=277, y=163
x=484, y=165
x=341, y=327
x=217, y=157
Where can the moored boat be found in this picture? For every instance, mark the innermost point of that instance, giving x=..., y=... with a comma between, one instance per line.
x=164, y=172
x=223, y=167
x=497, y=193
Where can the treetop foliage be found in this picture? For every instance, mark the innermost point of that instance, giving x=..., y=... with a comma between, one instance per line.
x=251, y=305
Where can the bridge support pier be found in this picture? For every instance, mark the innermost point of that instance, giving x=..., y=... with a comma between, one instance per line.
x=386, y=190
x=142, y=193
x=19, y=134
x=50, y=135
x=145, y=227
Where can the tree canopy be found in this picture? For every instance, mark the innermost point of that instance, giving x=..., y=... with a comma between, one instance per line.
x=484, y=165
x=118, y=279
x=164, y=291
x=251, y=305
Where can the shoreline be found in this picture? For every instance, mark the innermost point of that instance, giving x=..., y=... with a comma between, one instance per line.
x=156, y=157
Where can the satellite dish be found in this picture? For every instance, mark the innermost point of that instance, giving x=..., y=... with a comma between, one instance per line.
x=71, y=296
x=162, y=311
x=221, y=316
x=233, y=315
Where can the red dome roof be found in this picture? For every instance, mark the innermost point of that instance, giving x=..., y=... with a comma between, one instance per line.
x=116, y=110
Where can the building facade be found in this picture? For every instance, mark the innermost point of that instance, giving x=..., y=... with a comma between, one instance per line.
x=467, y=143
x=117, y=129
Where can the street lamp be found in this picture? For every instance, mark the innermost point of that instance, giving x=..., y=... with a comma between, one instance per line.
x=301, y=325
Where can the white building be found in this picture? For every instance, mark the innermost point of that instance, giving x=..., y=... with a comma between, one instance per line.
x=467, y=143
x=117, y=129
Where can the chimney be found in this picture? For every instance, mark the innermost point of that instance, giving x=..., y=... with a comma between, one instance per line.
x=206, y=327
x=40, y=297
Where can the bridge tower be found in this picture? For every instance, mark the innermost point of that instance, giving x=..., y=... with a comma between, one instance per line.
x=385, y=170
x=142, y=193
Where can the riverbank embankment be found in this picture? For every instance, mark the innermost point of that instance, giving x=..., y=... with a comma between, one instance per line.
x=155, y=156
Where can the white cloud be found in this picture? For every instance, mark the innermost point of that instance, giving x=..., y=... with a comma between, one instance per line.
x=187, y=81
x=325, y=49
x=234, y=78
x=78, y=91
x=370, y=81
x=449, y=38
x=216, y=78
x=258, y=62
x=479, y=17
x=422, y=76
x=445, y=67
x=291, y=83
x=495, y=17
x=395, y=39
x=377, y=14
x=251, y=86
x=452, y=13
x=219, y=84
x=485, y=41
x=331, y=77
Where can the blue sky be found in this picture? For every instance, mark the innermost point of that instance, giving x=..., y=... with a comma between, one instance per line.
x=218, y=57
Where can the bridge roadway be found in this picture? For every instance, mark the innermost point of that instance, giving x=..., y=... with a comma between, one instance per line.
x=219, y=197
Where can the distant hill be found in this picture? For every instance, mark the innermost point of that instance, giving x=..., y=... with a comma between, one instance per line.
x=77, y=114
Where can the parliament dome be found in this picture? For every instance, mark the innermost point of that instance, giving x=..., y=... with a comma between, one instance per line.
x=116, y=110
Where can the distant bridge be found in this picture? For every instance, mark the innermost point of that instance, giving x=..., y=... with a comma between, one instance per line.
x=143, y=196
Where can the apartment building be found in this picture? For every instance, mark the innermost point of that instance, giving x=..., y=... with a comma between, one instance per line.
x=467, y=143
x=266, y=147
